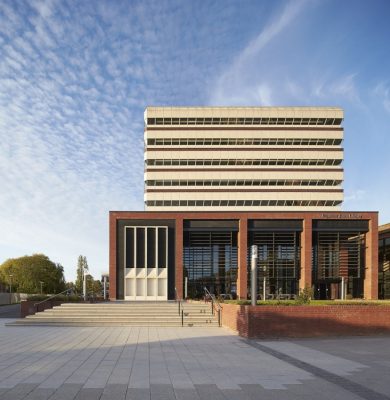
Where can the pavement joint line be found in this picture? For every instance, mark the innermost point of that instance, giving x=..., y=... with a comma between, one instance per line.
x=346, y=384
x=41, y=346
x=120, y=354
x=87, y=340
x=138, y=331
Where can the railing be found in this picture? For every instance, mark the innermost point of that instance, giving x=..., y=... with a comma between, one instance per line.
x=178, y=301
x=214, y=303
x=36, y=305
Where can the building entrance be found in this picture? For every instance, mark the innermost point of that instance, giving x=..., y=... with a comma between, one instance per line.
x=337, y=255
x=327, y=290
x=210, y=260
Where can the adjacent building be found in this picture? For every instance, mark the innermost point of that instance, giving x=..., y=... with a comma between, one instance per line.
x=219, y=180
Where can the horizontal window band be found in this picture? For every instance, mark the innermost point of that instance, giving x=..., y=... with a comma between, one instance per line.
x=243, y=182
x=244, y=190
x=243, y=203
x=280, y=169
x=180, y=141
x=243, y=149
x=284, y=121
x=239, y=162
x=242, y=128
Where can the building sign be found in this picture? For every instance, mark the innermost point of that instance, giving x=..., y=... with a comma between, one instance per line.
x=342, y=216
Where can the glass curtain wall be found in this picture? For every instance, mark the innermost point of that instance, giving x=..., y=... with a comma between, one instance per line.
x=210, y=260
x=278, y=262
x=338, y=255
x=384, y=268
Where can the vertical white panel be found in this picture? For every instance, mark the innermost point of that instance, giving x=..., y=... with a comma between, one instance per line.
x=162, y=287
x=140, y=287
x=151, y=287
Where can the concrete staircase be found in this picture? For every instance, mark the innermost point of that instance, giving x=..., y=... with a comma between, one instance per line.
x=123, y=314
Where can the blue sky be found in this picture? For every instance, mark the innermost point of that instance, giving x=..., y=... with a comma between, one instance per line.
x=75, y=77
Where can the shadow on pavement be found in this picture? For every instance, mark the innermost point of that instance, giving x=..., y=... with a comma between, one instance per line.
x=10, y=311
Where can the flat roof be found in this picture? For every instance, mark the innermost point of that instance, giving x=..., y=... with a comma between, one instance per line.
x=384, y=228
x=287, y=112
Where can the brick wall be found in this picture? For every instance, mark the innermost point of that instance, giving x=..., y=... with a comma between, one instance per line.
x=306, y=321
x=28, y=307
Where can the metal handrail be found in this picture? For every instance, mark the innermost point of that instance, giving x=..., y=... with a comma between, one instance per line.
x=214, y=302
x=49, y=298
x=178, y=300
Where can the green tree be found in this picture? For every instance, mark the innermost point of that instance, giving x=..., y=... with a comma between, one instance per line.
x=82, y=265
x=93, y=286
x=28, y=271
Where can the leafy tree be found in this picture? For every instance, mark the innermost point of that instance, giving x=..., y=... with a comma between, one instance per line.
x=70, y=286
x=93, y=286
x=82, y=265
x=97, y=287
x=28, y=271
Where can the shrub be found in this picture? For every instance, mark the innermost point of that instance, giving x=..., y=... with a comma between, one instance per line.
x=305, y=295
x=64, y=298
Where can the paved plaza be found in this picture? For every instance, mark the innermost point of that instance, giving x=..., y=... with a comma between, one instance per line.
x=186, y=364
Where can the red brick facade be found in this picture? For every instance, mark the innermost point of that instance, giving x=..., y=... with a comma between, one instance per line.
x=306, y=320
x=371, y=275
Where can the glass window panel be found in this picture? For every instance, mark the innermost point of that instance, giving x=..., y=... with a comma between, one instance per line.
x=162, y=251
x=140, y=248
x=129, y=247
x=151, y=247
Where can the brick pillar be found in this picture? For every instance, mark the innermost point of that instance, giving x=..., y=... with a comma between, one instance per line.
x=371, y=274
x=242, y=259
x=306, y=252
x=179, y=257
x=112, y=256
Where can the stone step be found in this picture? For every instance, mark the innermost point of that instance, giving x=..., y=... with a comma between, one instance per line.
x=122, y=314
x=125, y=317
x=186, y=315
x=102, y=323
x=185, y=307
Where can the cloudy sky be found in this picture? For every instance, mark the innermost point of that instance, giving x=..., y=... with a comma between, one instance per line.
x=75, y=77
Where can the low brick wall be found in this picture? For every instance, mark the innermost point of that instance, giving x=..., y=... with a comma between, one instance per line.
x=28, y=307
x=306, y=321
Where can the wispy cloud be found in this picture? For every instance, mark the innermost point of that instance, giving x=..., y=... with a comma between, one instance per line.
x=75, y=78
x=234, y=87
x=382, y=90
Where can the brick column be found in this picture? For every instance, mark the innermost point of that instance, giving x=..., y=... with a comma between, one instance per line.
x=306, y=254
x=179, y=257
x=112, y=256
x=371, y=273
x=242, y=259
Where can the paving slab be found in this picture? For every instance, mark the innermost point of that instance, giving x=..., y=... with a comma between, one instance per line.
x=138, y=394
x=114, y=392
x=39, y=394
x=186, y=394
x=75, y=363
x=67, y=391
x=89, y=394
x=18, y=392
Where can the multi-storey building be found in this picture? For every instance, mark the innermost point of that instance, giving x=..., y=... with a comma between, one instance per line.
x=243, y=158
x=219, y=180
